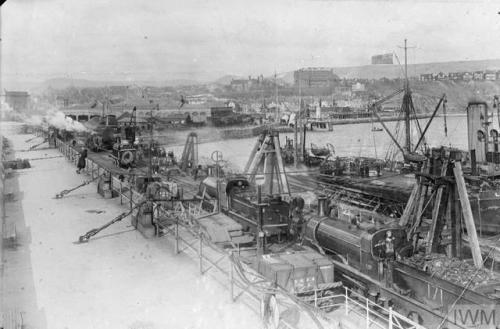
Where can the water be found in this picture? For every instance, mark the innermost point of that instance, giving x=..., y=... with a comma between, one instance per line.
x=348, y=140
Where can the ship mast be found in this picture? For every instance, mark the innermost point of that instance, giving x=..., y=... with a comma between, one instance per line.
x=406, y=104
x=276, y=98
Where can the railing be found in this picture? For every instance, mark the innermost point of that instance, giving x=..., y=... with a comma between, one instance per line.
x=190, y=238
x=375, y=315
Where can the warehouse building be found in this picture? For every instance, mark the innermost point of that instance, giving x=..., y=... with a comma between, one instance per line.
x=315, y=77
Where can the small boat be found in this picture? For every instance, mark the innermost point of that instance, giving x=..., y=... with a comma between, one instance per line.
x=319, y=151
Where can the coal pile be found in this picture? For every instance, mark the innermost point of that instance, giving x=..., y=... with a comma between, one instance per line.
x=454, y=270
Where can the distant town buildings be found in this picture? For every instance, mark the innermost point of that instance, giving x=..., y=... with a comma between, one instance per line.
x=315, y=77
x=17, y=100
x=488, y=75
x=358, y=87
x=242, y=85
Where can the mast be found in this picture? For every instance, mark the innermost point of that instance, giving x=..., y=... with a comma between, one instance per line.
x=276, y=96
x=295, y=129
x=150, y=164
x=406, y=104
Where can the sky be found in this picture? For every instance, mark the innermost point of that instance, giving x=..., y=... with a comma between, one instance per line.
x=129, y=40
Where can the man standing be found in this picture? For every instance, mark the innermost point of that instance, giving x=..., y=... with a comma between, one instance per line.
x=389, y=256
x=81, y=161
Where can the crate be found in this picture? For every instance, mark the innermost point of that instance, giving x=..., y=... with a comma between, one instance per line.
x=298, y=271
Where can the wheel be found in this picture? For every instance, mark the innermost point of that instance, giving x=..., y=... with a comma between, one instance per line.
x=126, y=158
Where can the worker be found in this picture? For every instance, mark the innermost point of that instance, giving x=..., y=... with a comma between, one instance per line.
x=173, y=188
x=297, y=221
x=389, y=257
x=81, y=161
x=389, y=245
x=198, y=172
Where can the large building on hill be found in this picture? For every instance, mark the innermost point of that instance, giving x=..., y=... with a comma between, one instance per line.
x=382, y=59
x=315, y=77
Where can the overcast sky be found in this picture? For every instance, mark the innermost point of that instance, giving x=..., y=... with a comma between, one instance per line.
x=196, y=39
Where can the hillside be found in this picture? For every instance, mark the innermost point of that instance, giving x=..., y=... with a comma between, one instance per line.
x=427, y=94
x=225, y=80
x=62, y=83
x=396, y=71
x=360, y=72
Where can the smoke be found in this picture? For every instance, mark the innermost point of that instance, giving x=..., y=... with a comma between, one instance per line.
x=35, y=120
x=59, y=120
x=49, y=117
x=7, y=113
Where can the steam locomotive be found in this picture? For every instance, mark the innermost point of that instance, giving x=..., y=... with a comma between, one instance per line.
x=362, y=262
x=238, y=200
x=359, y=252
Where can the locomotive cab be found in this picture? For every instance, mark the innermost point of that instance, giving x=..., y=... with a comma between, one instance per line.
x=238, y=199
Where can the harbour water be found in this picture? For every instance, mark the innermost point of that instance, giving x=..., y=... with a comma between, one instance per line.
x=348, y=140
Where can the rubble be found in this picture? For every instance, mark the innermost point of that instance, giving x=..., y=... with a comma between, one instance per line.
x=454, y=270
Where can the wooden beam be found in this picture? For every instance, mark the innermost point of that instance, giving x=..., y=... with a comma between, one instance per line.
x=268, y=173
x=410, y=205
x=468, y=218
x=195, y=150
x=254, y=164
x=455, y=233
x=435, y=213
x=421, y=200
x=258, y=143
x=279, y=183
x=280, y=166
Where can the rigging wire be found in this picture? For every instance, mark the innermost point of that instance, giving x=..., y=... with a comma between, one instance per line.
x=399, y=63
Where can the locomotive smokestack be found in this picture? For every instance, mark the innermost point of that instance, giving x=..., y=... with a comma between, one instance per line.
x=321, y=205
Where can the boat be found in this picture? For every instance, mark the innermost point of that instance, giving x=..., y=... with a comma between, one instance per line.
x=319, y=125
x=373, y=126
x=320, y=151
